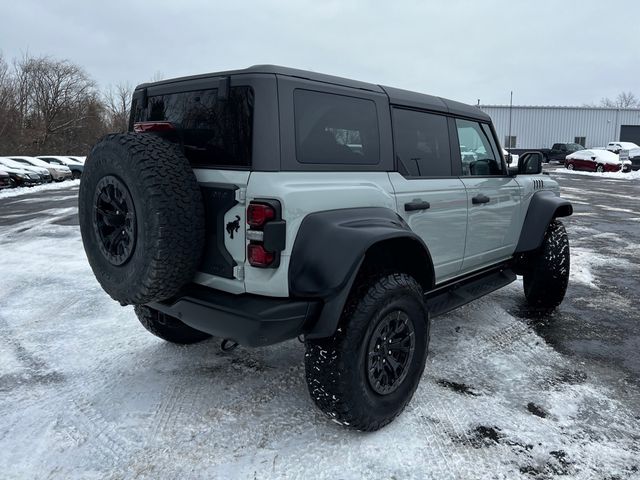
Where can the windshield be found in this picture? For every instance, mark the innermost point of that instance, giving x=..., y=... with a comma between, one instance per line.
x=31, y=162
x=574, y=147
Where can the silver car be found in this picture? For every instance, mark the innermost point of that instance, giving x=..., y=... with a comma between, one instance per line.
x=57, y=172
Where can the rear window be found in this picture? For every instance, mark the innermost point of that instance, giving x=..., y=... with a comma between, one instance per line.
x=335, y=129
x=213, y=132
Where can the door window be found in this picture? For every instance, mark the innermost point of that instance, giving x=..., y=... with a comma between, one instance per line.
x=421, y=144
x=478, y=150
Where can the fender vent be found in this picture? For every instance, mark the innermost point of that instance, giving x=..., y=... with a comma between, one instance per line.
x=538, y=184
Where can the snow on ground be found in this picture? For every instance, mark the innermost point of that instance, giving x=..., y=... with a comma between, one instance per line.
x=16, y=192
x=635, y=175
x=86, y=392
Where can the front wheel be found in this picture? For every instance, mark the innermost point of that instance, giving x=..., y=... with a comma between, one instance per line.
x=600, y=168
x=365, y=374
x=546, y=277
x=570, y=166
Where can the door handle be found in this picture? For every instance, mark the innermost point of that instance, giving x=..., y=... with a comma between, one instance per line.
x=478, y=199
x=416, y=205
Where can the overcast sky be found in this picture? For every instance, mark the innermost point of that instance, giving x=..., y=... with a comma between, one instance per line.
x=547, y=52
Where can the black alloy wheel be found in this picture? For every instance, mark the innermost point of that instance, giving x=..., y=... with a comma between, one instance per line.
x=115, y=220
x=390, y=351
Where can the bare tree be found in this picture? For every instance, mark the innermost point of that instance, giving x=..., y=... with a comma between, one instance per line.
x=623, y=100
x=7, y=96
x=56, y=100
x=117, y=101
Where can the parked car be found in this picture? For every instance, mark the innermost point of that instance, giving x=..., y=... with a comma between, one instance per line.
x=271, y=227
x=559, y=151
x=615, y=147
x=632, y=148
x=43, y=173
x=5, y=180
x=58, y=172
x=21, y=177
x=595, y=160
x=73, y=165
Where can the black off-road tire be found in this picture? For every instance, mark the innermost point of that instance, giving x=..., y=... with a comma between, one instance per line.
x=168, y=328
x=168, y=231
x=546, y=277
x=336, y=367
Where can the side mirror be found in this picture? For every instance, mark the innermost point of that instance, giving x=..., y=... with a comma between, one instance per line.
x=593, y=158
x=530, y=163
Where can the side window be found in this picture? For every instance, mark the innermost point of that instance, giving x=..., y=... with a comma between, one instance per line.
x=478, y=150
x=335, y=129
x=421, y=144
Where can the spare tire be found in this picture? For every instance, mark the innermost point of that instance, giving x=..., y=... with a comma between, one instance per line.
x=141, y=217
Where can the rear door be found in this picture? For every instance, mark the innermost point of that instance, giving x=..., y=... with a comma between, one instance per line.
x=431, y=200
x=493, y=198
x=211, y=119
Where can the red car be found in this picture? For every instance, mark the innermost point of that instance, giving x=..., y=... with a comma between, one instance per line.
x=596, y=160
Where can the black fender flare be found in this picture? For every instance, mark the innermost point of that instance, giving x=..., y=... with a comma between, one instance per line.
x=328, y=251
x=543, y=208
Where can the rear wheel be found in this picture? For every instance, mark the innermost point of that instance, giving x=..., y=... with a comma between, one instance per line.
x=365, y=374
x=168, y=328
x=546, y=276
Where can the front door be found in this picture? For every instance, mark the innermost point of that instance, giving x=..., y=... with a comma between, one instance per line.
x=493, y=198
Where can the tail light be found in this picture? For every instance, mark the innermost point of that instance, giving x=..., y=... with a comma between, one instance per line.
x=146, y=127
x=259, y=213
x=258, y=256
x=267, y=233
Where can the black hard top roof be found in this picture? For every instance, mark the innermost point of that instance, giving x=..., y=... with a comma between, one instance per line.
x=396, y=95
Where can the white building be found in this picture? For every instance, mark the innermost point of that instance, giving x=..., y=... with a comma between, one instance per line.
x=540, y=127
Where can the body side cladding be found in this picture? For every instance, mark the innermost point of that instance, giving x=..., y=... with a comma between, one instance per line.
x=331, y=247
x=543, y=208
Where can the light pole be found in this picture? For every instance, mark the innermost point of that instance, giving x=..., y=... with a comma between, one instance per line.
x=510, y=114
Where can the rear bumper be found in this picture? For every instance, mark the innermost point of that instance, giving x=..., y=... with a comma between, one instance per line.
x=250, y=320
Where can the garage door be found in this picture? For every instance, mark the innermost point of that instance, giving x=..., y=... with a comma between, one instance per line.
x=630, y=133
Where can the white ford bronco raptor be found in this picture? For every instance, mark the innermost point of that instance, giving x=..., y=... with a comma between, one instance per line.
x=266, y=204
